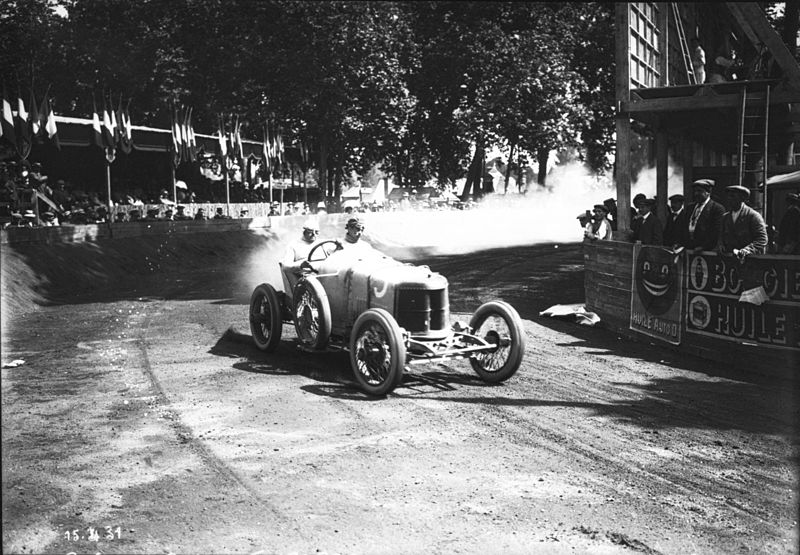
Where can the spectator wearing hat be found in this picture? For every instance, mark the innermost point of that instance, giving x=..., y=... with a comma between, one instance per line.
x=599, y=227
x=244, y=213
x=152, y=214
x=220, y=214
x=636, y=218
x=703, y=218
x=49, y=219
x=743, y=229
x=674, y=221
x=29, y=218
x=163, y=198
x=649, y=230
x=169, y=214
x=134, y=215
x=788, y=240
x=611, y=204
x=180, y=213
x=200, y=214
x=120, y=217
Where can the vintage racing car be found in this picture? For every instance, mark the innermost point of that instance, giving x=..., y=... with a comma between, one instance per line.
x=387, y=314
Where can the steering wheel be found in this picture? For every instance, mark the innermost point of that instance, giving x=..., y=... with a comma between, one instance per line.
x=326, y=248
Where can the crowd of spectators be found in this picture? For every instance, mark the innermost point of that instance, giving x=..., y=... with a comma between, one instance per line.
x=29, y=198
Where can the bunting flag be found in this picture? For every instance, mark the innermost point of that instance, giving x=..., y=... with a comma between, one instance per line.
x=108, y=131
x=125, y=128
x=177, y=145
x=238, y=137
x=222, y=145
x=23, y=129
x=192, y=138
x=97, y=131
x=7, y=122
x=115, y=129
x=265, y=149
x=279, y=146
x=36, y=119
x=51, y=130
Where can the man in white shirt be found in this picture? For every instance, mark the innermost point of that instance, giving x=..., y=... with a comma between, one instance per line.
x=295, y=259
x=704, y=218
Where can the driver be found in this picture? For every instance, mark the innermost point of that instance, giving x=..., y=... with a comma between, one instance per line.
x=352, y=240
x=295, y=259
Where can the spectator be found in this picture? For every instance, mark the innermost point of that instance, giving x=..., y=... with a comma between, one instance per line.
x=180, y=214
x=29, y=219
x=134, y=216
x=200, y=214
x=152, y=214
x=698, y=62
x=703, y=219
x=220, y=215
x=169, y=214
x=789, y=228
x=163, y=198
x=120, y=217
x=649, y=231
x=61, y=196
x=636, y=219
x=599, y=227
x=245, y=213
x=674, y=221
x=743, y=230
x=584, y=218
x=611, y=204
x=49, y=219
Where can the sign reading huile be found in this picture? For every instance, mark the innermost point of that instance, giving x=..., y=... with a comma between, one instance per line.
x=720, y=302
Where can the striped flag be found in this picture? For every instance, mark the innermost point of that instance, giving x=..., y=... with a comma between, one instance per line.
x=36, y=118
x=97, y=131
x=222, y=144
x=7, y=123
x=23, y=129
x=50, y=124
x=177, y=145
x=125, y=130
x=265, y=149
x=108, y=131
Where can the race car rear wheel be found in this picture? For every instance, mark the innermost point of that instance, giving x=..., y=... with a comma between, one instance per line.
x=311, y=313
x=377, y=352
x=499, y=324
x=266, y=322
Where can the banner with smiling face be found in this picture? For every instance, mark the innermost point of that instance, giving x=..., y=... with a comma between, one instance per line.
x=656, y=293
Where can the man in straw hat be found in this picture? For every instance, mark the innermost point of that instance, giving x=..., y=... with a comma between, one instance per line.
x=743, y=229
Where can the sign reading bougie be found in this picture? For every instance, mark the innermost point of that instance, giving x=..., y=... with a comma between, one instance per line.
x=718, y=302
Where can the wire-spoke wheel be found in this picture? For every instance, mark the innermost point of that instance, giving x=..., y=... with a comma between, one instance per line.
x=498, y=324
x=377, y=352
x=266, y=322
x=311, y=313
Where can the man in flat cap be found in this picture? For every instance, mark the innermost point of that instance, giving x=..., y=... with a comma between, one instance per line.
x=704, y=218
x=649, y=230
x=743, y=229
x=674, y=221
x=599, y=227
x=788, y=239
x=636, y=218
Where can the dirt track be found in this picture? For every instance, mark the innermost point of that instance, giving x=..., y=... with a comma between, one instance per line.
x=144, y=407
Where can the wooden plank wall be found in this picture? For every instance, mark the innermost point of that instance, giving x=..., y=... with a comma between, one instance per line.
x=607, y=283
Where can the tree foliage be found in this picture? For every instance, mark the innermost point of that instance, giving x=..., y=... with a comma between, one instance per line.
x=410, y=85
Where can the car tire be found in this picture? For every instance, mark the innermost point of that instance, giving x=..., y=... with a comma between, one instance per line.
x=377, y=352
x=266, y=317
x=311, y=313
x=501, y=363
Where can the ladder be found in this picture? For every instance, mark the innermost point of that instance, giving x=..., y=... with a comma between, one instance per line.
x=753, y=142
x=687, y=56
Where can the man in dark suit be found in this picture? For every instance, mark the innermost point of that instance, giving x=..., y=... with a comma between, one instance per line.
x=649, y=231
x=703, y=218
x=674, y=221
x=743, y=229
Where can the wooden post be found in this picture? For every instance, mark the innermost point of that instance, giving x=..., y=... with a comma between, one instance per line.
x=623, y=122
x=227, y=191
x=174, y=185
x=687, y=157
x=662, y=23
x=662, y=186
x=108, y=189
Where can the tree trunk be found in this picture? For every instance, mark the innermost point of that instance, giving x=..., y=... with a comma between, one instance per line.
x=508, y=168
x=521, y=185
x=474, y=174
x=324, y=145
x=542, y=154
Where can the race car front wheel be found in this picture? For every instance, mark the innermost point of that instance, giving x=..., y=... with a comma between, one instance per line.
x=265, y=317
x=498, y=324
x=377, y=352
x=312, y=313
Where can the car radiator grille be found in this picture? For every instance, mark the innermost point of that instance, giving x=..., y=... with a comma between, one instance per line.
x=422, y=311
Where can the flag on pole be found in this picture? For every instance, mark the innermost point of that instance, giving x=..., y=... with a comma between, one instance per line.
x=115, y=129
x=125, y=130
x=108, y=131
x=192, y=138
x=23, y=129
x=36, y=118
x=97, y=131
x=239, y=145
x=265, y=149
x=8, y=121
x=222, y=145
x=50, y=125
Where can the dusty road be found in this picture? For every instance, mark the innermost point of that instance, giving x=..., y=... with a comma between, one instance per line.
x=147, y=415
